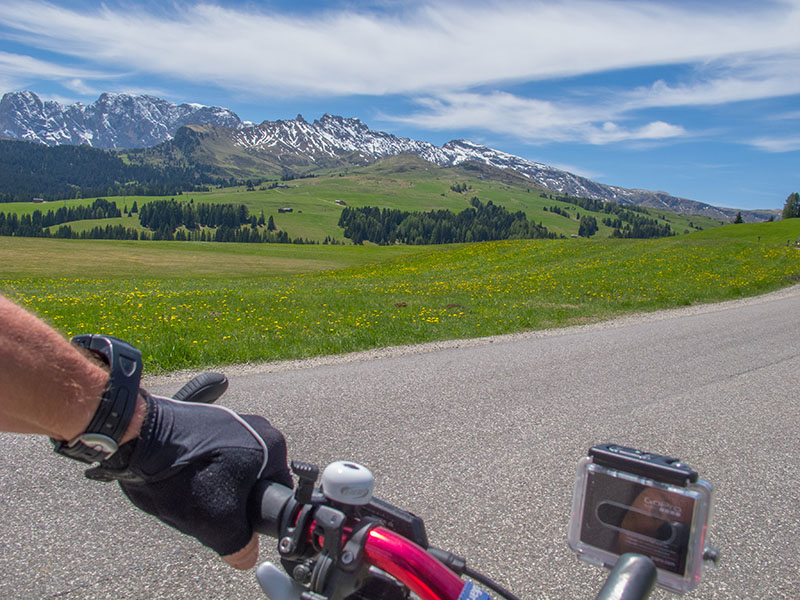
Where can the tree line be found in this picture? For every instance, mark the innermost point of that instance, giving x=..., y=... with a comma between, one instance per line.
x=109, y=232
x=164, y=220
x=481, y=222
x=221, y=234
x=31, y=225
x=29, y=170
x=37, y=223
x=627, y=221
x=557, y=210
x=170, y=214
x=643, y=228
x=186, y=221
x=245, y=235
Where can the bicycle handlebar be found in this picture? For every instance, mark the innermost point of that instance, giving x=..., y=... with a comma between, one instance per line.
x=275, y=512
x=404, y=560
x=634, y=576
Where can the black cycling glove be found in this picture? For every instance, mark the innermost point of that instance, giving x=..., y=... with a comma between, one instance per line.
x=193, y=466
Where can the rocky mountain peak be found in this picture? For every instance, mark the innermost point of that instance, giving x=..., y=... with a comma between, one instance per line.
x=112, y=121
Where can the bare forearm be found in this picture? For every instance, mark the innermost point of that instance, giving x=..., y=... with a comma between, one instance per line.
x=46, y=385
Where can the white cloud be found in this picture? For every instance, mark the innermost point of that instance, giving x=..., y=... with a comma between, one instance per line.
x=535, y=121
x=786, y=116
x=777, y=145
x=20, y=66
x=79, y=86
x=447, y=46
x=734, y=80
x=611, y=132
x=576, y=170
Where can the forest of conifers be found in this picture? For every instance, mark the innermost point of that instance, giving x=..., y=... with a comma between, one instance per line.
x=29, y=170
x=163, y=220
x=485, y=222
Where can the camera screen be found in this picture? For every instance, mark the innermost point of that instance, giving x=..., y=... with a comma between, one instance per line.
x=622, y=516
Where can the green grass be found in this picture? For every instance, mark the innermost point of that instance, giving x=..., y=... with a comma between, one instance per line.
x=403, y=182
x=33, y=258
x=193, y=305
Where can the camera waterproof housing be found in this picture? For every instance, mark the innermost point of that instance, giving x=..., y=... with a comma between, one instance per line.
x=626, y=500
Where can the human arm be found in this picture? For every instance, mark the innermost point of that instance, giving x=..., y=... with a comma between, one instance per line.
x=49, y=387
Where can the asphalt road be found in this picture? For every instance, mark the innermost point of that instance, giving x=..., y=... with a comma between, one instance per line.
x=481, y=439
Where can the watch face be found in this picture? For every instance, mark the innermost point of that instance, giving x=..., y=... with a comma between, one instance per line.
x=99, y=443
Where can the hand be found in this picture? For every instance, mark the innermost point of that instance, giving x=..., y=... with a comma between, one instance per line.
x=194, y=466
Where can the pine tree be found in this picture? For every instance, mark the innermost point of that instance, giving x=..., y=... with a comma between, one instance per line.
x=588, y=226
x=791, y=209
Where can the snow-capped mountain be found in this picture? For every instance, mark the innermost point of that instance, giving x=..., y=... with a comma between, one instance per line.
x=330, y=137
x=333, y=137
x=112, y=121
x=116, y=121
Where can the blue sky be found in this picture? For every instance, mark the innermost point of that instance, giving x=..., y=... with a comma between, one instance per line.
x=697, y=98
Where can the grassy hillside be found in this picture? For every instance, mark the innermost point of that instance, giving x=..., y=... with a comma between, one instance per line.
x=191, y=305
x=785, y=232
x=402, y=182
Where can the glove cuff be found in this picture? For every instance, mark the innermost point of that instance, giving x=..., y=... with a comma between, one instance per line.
x=117, y=466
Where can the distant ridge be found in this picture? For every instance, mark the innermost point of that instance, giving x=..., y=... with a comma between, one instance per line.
x=217, y=137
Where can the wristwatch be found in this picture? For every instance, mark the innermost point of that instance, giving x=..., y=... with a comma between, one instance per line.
x=101, y=439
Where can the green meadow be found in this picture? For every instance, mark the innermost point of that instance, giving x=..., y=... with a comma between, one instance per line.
x=402, y=182
x=190, y=305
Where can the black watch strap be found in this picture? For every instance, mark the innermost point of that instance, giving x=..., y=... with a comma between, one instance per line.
x=109, y=423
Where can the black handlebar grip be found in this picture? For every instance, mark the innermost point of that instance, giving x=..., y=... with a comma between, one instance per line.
x=267, y=503
x=203, y=389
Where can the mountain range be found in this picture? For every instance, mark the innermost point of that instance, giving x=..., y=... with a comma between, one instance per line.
x=217, y=137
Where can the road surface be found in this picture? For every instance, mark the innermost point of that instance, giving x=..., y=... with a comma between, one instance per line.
x=480, y=438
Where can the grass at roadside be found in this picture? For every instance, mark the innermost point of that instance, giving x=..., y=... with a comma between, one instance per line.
x=191, y=316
